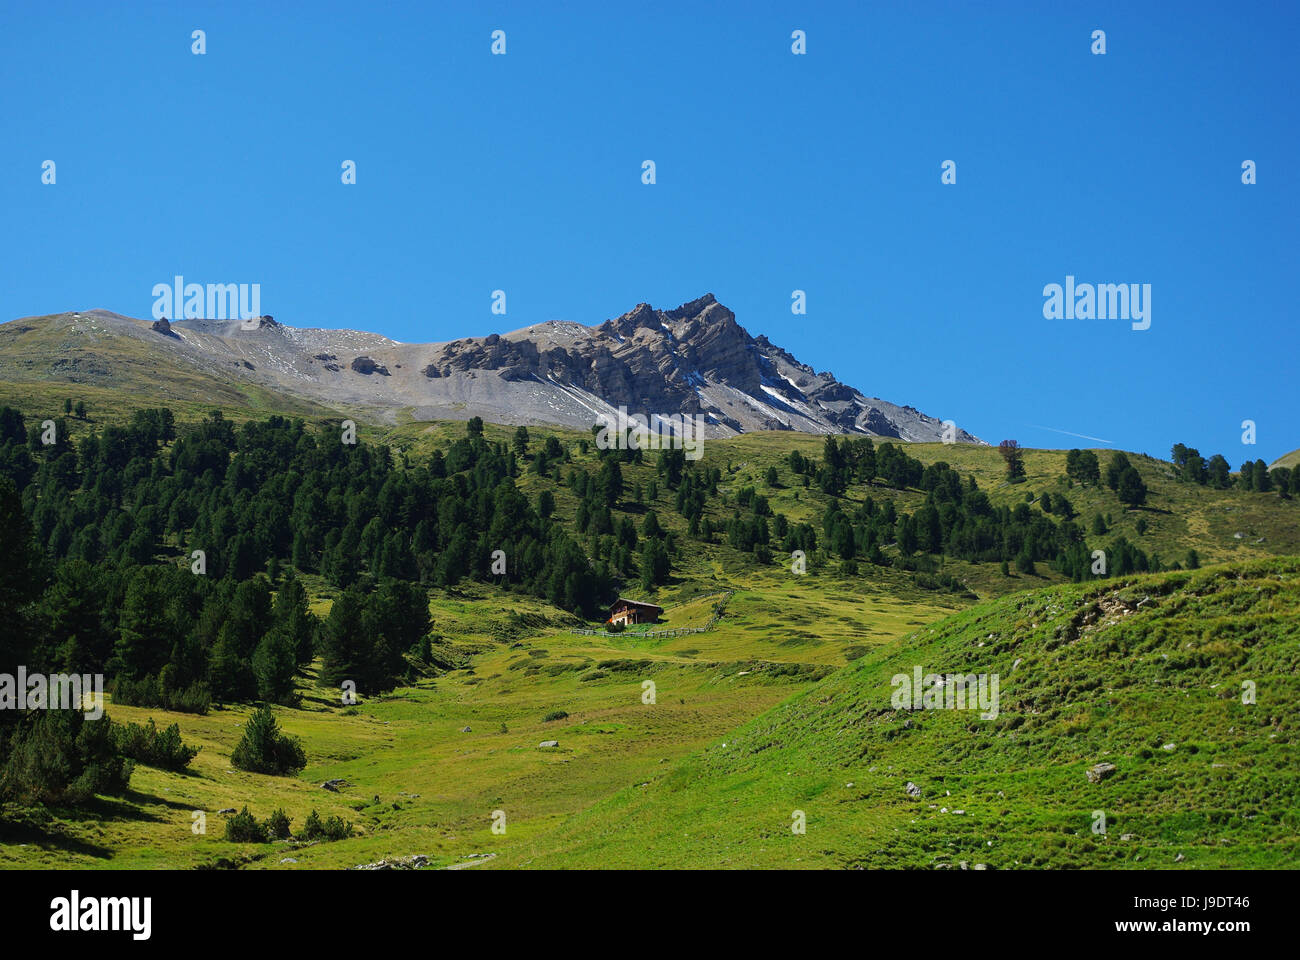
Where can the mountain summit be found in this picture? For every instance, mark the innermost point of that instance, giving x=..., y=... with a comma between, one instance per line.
x=695, y=359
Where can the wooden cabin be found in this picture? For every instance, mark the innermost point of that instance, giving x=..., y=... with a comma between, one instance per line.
x=628, y=612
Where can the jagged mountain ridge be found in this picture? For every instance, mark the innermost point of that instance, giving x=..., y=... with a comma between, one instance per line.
x=695, y=359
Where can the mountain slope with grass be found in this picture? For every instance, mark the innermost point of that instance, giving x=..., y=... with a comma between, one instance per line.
x=1144, y=673
x=1286, y=460
x=115, y=365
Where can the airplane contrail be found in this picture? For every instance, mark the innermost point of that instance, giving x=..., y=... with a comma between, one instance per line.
x=1081, y=436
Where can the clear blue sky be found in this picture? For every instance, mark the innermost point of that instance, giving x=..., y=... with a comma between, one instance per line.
x=775, y=172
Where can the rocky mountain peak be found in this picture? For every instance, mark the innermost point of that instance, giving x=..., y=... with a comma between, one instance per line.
x=695, y=359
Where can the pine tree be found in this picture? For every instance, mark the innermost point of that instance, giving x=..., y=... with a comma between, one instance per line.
x=1014, y=458
x=274, y=664
x=1130, y=488
x=264, y=749
x=343, y=638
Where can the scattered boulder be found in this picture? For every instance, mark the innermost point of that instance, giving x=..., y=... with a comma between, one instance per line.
x=366, y=366
x=465, y=730
x=1100, y=771
x=549, y=743
x=164, y=327
x=334, y=785
x=913, y=790
x=415, y=862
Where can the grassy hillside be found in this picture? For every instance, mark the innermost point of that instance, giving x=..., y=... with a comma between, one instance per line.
x=45, y=360
x=1145, y=674
x=1286, y=460
x=421, y=783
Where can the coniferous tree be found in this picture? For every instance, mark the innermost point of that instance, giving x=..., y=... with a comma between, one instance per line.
x=264, y=749
x=1130, y=488
x=1014, y=458
x=275, y=661
x=344, y=645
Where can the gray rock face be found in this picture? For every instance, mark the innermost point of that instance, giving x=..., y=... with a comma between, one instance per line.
x=692, y=360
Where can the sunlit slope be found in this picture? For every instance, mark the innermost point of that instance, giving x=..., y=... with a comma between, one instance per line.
x=116, y=365
x=427, y=764
x=1146, y=673
x=1220, y=525
x=1286, y=460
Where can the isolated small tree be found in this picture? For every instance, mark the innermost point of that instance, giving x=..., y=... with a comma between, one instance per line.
x=1131, y=489
x=1014, y=457
x=277, y=825
x=264, y=749
x=521, y=441
x=244, y=828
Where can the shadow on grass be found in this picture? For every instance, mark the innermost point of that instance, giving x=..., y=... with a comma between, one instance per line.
x=36, y=827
